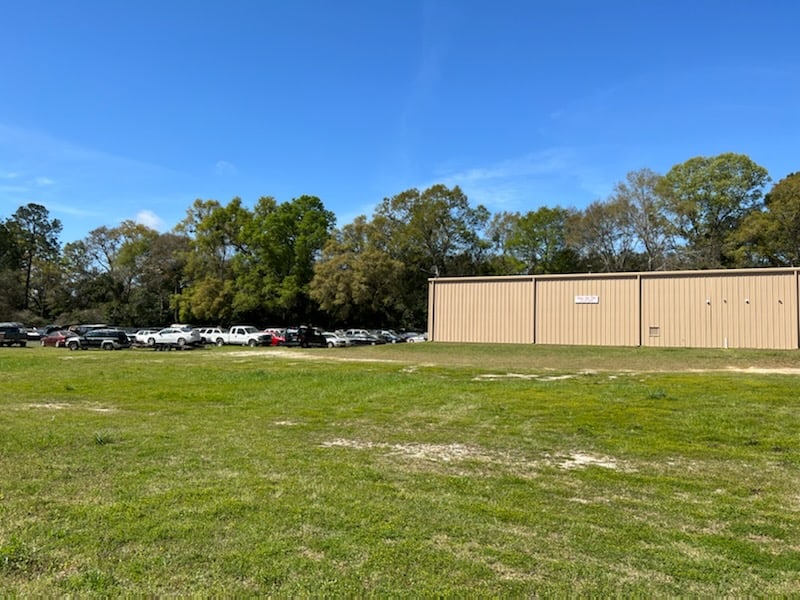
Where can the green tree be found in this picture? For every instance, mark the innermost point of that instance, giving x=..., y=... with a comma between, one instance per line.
x=161, y=279
x=215, y=242
x=357, y=279
x=436, y=229
x=602, y=236
x=499, y=231
x=538, y=241
x=35, y=237
x=639, y=196
x=109, y=267
x=11, y=292
x=771, y=237
x=377, y=270
x=84, y=292
x=286, y=240
x=707, y=199
x=252, y=265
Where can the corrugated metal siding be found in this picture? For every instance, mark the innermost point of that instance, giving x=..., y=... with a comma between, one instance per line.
x=734, y=311
x=612, y=321
x=747, y=308
x=489, y=311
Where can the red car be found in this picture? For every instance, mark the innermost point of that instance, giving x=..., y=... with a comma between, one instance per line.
x=58, y=338
x=278, y=336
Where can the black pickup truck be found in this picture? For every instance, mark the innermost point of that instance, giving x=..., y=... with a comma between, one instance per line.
x=13, y=334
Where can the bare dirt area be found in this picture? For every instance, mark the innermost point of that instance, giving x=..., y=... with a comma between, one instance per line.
x=63, y=406
x=291, y=354
x=764, y=371
x=453, y=453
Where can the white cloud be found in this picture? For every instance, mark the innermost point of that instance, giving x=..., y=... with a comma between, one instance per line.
x=8, y=175
x=13, y=189
x=149, y=219
x=225, y=168
x=75, y=211
x=514, y=183
x=43, y=181
x=538, y=163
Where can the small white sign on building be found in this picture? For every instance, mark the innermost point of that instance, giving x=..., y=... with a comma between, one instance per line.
x=587, y=299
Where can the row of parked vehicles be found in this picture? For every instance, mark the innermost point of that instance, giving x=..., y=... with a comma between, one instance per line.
x=178, y=336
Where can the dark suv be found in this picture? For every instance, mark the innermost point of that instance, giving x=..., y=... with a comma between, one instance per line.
x=306, y=337
x=106, y=339
x=13, y=333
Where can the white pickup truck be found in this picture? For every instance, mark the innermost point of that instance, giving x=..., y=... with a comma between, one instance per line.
x=242, y=335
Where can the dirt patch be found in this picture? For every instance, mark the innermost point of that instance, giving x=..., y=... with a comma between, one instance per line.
x=580, y=460
x=528, y=376
x=763, y=371
x=429, y=452
x=62, y=406
x=292, y=354
x=451, y=453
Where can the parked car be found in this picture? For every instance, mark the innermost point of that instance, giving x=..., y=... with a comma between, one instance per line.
x=362, y=337
x=387, y=335
x=58, y=338
x=241, y=335
x=278, y=335
x=144, y=337
x=51, y=328
x=175, y=336
x=305, y=337
x=335, y=340
x=209, y=335
x=13, y=334
x=106, y=339
x=417, y=337
x=311, y=336
x=81, y=329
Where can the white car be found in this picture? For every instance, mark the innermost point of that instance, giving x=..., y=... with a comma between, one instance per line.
x=210, y=335
x=143, y=336
x=336, y=340
x=176, y=336
x=420, y=337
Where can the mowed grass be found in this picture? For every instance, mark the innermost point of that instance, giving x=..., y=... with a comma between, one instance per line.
x=410, y=470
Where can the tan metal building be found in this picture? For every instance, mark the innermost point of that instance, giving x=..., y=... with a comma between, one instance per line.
x=735, y=308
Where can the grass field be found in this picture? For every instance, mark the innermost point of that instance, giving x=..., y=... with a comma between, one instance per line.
x=410, y=470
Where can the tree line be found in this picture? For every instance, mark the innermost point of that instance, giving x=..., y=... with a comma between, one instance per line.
x=283, y=263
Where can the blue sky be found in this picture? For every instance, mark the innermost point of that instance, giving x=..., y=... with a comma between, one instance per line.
x=112, y=111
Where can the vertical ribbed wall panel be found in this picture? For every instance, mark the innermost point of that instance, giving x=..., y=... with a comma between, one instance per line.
x=564, y=317
x=486, y=311
x=734, y=311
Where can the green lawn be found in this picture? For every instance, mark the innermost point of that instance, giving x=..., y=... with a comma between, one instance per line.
x=410, y=470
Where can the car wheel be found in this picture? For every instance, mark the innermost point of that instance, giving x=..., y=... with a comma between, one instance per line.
x=252, y=343
x=107, y=346
x=181, y=342
x=220, y=342
x=151, y=341
x=330, y=344
x=73, y=345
